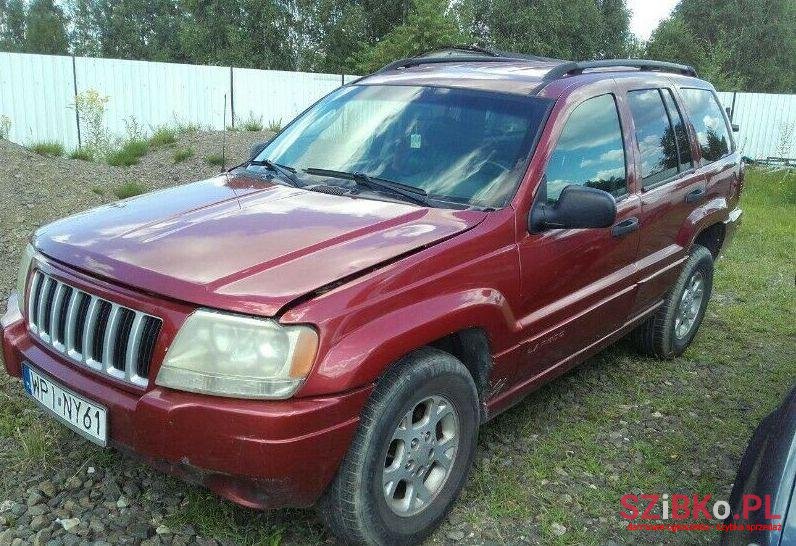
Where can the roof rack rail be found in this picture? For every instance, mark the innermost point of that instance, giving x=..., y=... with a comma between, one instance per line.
x=458, y=50
x=462, y=53
x=572, y=68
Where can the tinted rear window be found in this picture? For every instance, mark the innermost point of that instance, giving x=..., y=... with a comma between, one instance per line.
x=654, y=136
x=708, y=119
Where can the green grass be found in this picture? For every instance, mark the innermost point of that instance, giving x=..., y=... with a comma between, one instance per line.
x=83, y=154
x=253, y=124
x=49, y=148
x=163, y=136
x=129, y=154
x=683, y=423
x=214, y=159
x=181, y=154
x=128, y=189
x=183, y=127
x=274, y=126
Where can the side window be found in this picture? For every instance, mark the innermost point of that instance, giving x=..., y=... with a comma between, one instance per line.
x=654, y=136
x=590, y=151
x=708, y=119
x=680, y=132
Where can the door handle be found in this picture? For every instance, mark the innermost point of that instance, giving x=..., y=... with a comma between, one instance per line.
x=624, y=227
x=695, y=195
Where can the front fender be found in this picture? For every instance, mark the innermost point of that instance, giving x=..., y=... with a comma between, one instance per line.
x=365, y=353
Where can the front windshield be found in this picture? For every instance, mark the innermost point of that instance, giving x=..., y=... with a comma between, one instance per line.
x=458, y=145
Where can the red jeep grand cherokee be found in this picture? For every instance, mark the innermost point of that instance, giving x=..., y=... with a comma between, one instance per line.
x=331, y=321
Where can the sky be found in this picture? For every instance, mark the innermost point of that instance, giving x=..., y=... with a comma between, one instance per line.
x=647, y=14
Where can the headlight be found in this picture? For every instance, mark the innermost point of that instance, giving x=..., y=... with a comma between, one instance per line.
x=237, y=356
x=24, y=270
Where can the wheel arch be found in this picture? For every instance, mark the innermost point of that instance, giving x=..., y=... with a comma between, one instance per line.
x=465, y=325
x=712, y=238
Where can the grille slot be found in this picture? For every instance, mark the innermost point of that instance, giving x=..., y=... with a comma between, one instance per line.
x=94, y=332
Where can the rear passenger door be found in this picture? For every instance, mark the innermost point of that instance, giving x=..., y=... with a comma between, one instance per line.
x=669, y=185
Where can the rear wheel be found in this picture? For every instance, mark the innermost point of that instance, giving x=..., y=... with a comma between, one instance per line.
x=410, y=456
x=673, y=326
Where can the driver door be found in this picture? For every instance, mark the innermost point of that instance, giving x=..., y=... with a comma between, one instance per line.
x=578, y=284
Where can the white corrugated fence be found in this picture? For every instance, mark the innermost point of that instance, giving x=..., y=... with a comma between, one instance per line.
x=37, y=94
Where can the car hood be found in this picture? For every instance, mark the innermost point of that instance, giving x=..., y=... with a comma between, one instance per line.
x=243, y=244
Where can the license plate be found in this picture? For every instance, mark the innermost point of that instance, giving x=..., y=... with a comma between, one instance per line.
x=80, y=414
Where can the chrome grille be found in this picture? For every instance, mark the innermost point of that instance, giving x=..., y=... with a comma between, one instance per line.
x=97, y=333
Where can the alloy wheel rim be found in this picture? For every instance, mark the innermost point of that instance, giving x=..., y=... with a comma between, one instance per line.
x=420, y=455
x=689, y=305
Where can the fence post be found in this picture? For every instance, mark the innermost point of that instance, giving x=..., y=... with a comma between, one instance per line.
x=231, y=96
x=77, y=111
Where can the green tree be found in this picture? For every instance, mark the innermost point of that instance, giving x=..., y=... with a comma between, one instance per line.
x=747, y=45
x=12, y=25
x=86, y=33
x=45, y=29
x=428, y=26
x=567, y=29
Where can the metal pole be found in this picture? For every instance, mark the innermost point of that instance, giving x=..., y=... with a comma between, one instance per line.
x=77, y=111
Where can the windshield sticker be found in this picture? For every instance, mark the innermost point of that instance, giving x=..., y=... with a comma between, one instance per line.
x=414, y=140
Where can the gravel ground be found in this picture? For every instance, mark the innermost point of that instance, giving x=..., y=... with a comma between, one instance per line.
x=549, y=471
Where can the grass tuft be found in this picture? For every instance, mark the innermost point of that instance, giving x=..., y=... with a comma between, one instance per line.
x=129, y=154
x=274, y=126
x=215, y=159
x=163, y=136
x=253, y=124
x=83, y=154
x=128, y=189
x=181, y=154
x=48, y=148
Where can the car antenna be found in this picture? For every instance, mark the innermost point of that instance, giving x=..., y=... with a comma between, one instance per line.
x=224, y=138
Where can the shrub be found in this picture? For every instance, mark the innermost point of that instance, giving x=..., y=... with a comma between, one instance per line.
x=182, y=154
x=163, y=136
x=129, y=154
x=253, y=124
x=90, y=106
x=50, y=148
x=275, y=125
x=98, y=190
x=128, y=189
x=215, y=159
x=84, y=154
x=5, y=126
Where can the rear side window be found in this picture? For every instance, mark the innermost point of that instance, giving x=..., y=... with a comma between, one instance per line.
x=708, y=119
x=590, y=151
x=654, y=136
x=680, y=132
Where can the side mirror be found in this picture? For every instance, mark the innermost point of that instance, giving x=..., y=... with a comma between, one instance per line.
x=735, y=128
x=256, y=149
x=577, y=207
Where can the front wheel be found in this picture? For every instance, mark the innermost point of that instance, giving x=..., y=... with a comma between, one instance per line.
x=410, y=456
x=668, y=332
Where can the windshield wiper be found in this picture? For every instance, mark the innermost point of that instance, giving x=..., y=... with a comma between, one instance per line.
x=410, y=193
x=287, y=172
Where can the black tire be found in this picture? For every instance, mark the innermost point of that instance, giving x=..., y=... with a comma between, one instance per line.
x=656, y=336
x=354, y=506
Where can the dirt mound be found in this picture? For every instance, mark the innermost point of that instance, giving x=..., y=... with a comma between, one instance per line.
x=36, y=189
